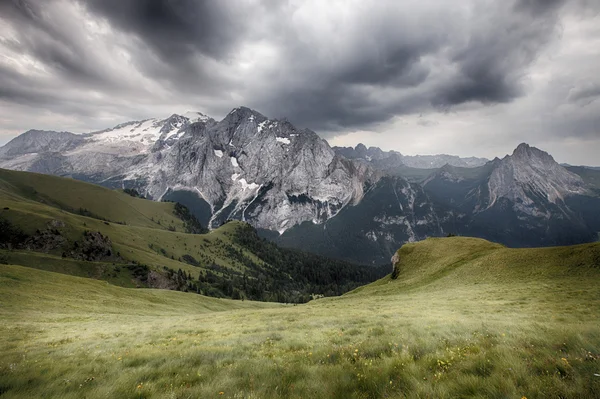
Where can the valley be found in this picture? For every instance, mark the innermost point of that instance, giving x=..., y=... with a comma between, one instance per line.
x=106, y=293
x=462, y=318
x=299, y=199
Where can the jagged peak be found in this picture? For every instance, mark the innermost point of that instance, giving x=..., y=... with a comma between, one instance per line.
x=360, y=147
x=195, y=116
x=241, y=114
x=447, y=168
x=245, y=111
x=522, y=147
x=525, y=151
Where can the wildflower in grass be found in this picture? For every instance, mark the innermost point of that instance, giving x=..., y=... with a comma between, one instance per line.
x=221, y=393
x=140, y=385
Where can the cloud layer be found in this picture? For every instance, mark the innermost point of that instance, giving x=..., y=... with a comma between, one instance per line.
x=420, y=76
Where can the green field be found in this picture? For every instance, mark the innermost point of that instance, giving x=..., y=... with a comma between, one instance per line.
x=464, y=318
x=143, y=231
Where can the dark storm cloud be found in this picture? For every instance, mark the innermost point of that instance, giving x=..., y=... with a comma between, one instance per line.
x=483, y=56
x=499, y=49
x=387, y=62
x=48, y=41
x=329, y=66
x=177, y=28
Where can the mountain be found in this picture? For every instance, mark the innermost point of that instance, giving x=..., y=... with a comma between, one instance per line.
x=392, y=211
x=244, y=167
x=524, y=199
x=356, y=204
x=591, y=176
x=393, y=159
x=263, y=171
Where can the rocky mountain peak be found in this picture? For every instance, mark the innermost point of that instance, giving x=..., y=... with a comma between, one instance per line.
x=525, y=152
x=194, y=116
x=36, y=141
x=241, y=114
x=361, y=150
x=530, y=174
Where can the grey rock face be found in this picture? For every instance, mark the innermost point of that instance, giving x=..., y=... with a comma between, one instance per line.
x=36, y=141
x=263, y=171
x=530, y=175
x=525, y=199
x=246, y=166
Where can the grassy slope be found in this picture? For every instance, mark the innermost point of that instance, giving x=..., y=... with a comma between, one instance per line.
x=465, y=318
x=71, y=195
x=33, y=200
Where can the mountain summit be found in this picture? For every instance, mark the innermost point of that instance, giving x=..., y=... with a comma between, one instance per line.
x=530, y=174
x=354, y=203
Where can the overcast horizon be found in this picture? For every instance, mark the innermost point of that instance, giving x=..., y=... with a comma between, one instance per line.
x=424, y=77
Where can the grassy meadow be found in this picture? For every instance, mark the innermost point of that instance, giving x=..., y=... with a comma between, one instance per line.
x=464, y=318
x=143, y=231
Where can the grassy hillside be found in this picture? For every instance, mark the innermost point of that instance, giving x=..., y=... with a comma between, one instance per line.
x=464, y=318
x=88, y=199
x=128, y=241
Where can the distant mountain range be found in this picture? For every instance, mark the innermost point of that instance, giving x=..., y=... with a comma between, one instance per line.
x=389, y=159
x=358, y=204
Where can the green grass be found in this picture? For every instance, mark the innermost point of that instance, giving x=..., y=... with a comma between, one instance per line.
x=464, y=319
x=116, y=274
x=31, y=201
x=72, y=195
x=132, y=242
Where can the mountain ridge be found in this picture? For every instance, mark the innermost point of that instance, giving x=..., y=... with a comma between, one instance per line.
x=291, y=185
x=376, y=154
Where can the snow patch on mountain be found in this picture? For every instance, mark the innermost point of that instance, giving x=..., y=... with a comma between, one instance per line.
x=261, y=125
x=144, y=132
x=248, y=186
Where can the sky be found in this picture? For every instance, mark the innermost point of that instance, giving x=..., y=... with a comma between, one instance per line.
x=470, y=78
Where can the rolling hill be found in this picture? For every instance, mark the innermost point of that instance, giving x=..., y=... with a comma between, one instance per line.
x=459, y=317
